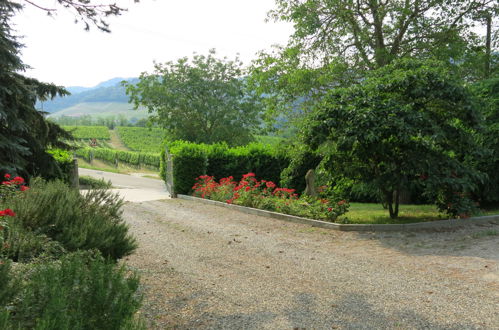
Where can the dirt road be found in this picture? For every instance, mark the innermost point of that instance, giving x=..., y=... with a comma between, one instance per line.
x=205, y=267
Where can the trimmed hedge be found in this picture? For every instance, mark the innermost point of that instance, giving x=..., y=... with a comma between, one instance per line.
x=191, y=160
x=128, y=157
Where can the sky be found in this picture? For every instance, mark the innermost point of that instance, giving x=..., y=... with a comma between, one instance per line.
x=61, y=52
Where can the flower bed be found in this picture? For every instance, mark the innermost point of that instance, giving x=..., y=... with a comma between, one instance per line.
x=266, y=195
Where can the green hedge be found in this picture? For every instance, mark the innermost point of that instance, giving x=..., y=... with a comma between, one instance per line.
x=192, y=160
x=127, y=157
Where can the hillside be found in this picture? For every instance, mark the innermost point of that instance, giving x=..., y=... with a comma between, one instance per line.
x=101, y=109
x=109, y=91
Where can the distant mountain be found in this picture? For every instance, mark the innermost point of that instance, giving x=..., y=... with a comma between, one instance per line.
x=105, y=92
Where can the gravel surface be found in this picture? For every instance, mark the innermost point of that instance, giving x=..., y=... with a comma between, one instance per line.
x=207, y=267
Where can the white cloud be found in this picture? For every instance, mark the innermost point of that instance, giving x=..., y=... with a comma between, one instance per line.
x=62, y=52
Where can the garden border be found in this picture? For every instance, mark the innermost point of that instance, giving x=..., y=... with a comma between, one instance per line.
x=433, y=225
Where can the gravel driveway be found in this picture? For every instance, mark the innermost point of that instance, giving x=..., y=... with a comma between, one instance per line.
x=206, y=267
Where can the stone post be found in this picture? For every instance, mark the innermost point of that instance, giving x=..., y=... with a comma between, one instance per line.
x=310, y=180
x=75, y=179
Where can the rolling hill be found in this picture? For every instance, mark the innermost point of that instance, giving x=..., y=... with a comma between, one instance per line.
x=105, y=99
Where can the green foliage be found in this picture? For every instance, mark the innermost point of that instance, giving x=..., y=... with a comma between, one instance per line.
x=204, y=100
x=64, y=161
x=267, y=196
x=24, y=132
x=80, y=291
x=488, y=92
x=90, y=221
x=141, y=138
x=219, y=160
x=94, y=183
x=127, y=157
x=408, y=122
x=89, y=132
x=336, y=42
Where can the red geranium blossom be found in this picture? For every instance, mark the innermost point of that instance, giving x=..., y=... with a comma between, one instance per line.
x=8, y=212
x=7, y=176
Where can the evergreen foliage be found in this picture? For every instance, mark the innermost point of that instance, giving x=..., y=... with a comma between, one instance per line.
x=25, y=135
x=55, y=211
x=82, y=290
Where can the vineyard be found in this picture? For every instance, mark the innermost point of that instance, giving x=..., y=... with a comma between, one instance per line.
x=116, y=156
x=141, y=138
x=89, y=132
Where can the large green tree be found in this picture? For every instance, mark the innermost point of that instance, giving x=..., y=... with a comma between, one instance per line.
x=410, y=122
x=200, y=100
x=335, y=42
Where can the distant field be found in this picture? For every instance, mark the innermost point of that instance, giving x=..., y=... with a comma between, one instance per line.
x=142, y=138
x=89, y=132
x=272, y=140
x=102, y=109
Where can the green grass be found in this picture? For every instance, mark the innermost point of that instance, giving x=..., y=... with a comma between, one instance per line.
x=142, y=138
x=366, y=213
x=89, y=132
x=266, y=139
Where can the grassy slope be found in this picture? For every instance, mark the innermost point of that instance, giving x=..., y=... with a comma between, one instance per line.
x=102, y=109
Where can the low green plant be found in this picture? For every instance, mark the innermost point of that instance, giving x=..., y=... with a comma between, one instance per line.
x=266, y=195
x=94, y=183
x=82, y=290
x=90, y=221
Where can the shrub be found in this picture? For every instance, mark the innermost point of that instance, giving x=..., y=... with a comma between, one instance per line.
x=266, y=195
x=64, y=161
x=92, y=221
x=192, y=160
x=81, y=291
x=94, y=183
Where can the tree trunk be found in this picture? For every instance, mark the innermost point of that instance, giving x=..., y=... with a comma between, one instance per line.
x=488, y=18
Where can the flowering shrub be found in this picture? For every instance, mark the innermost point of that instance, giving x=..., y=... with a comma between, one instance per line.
x=266, y=195
x=9, y=187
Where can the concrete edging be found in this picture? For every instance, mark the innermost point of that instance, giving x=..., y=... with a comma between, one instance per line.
x=433, y=225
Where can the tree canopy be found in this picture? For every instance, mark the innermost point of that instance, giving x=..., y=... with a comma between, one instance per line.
x=204, y=99
x=410, y=122
x=336, y=42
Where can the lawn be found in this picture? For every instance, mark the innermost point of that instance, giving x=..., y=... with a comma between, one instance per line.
x=366, y=213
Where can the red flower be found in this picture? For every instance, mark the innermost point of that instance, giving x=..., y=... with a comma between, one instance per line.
x=18, y=180
x=248, y=188
x=329, y=209
x=8, y=212
x=6, y=183
x=7, y=176
x=270, y=184
x=342, y=202
x=24, y=188
x=247, y=175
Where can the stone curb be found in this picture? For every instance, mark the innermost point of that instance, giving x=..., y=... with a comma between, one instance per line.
x=433, y=225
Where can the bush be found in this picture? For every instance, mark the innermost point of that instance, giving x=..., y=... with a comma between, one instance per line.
x=94, y=183
x=64, y=161
x=92, y=221
x=192, y=160
x=267, y=196
x=81, y=291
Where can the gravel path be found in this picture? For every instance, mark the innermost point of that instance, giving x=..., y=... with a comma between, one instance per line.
x=206, y=267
